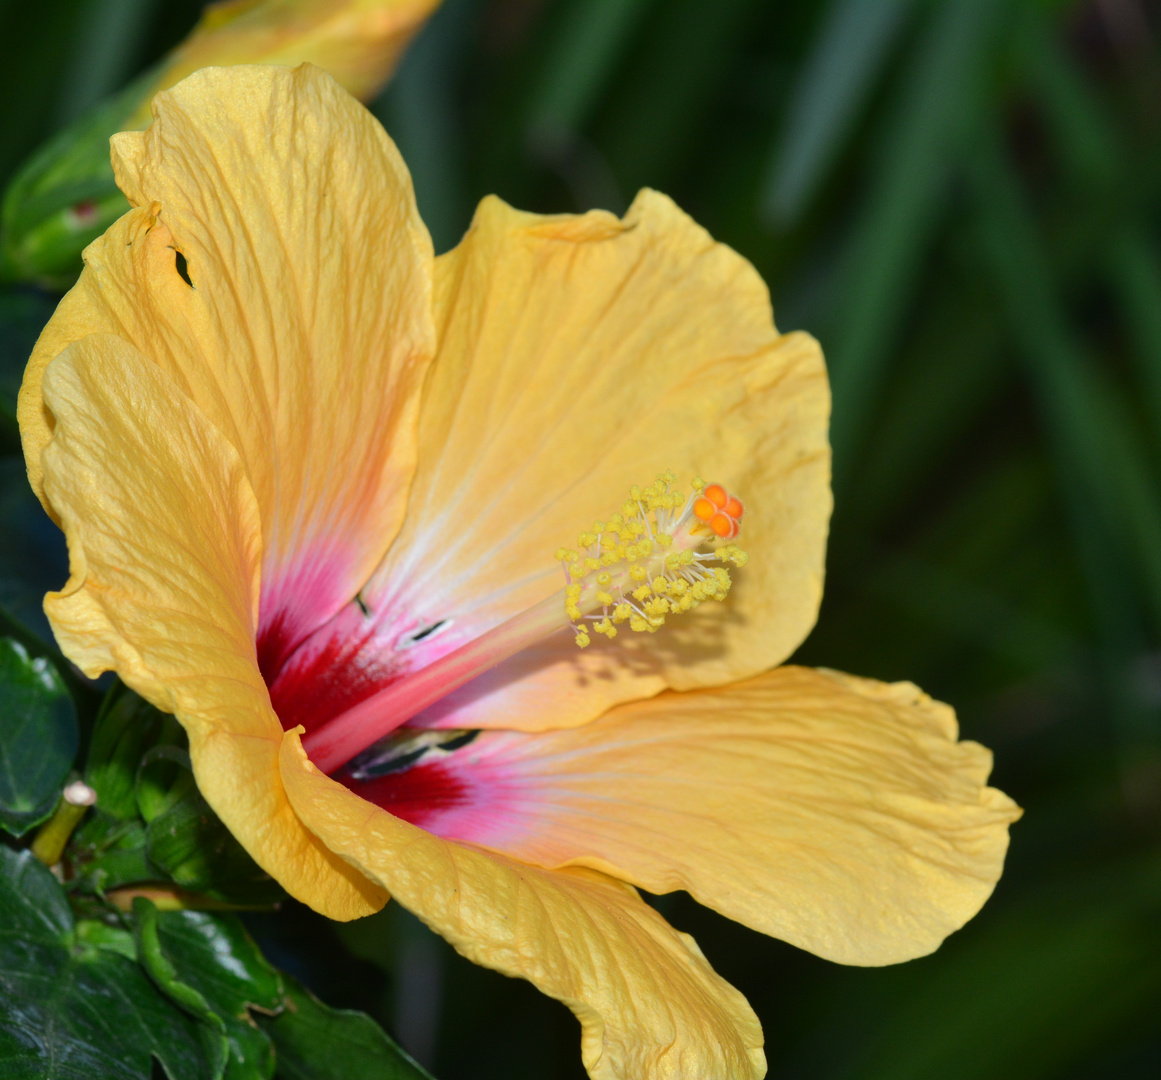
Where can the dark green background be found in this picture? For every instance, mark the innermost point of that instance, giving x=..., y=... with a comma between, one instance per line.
x=960, y=199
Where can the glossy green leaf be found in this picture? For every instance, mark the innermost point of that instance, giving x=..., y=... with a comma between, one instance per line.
x=211, y=1028
x=210, y=966
x=38, y=737
x=316, y=1042
x=72, y=1006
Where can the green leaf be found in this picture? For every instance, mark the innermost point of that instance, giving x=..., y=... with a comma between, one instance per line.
x=837, y=79
x=934, y=117
x=38, y=737
x=101, y=935
x=120, y=858
x=189, y=843
x=211, y=966
x=316, y=1042
x=72, y=1007
x=125, y=727
x=64, y=196
x=212, y=1030
x=577, y=63
x=215, y=956
x=1103, y=471
x=164, y=778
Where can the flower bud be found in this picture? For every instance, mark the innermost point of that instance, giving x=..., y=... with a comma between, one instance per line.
x=64, y=196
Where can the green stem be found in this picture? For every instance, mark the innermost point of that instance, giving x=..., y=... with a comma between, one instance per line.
x=54, y=834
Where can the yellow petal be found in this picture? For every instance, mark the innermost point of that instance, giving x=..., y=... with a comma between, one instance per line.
x=838, y=814
x=164, y=542
x=307, y=329
x=359, y=42
x=649, y=1004
x=578, y=356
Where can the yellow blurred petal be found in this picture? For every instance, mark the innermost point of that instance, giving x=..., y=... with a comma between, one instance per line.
x=649, y=1004
x=359, y=42
x=579, y=356
x=307, y=330
x=836, y=813
x=164, y=543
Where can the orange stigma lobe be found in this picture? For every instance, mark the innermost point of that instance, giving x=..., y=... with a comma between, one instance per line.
x=720, y=511
x=717, y=495
x=723, y=525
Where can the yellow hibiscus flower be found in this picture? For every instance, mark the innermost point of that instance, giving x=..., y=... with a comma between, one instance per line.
x=300, y=461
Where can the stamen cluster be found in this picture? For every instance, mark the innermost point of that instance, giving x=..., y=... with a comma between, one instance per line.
x=643, y=564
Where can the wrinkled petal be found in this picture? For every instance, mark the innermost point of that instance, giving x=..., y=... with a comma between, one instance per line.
x=164, y=544
x=306, y=331
x=838, y=814
x=579, y=356
x=649, y=1004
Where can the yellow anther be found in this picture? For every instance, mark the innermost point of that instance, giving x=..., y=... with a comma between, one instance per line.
x=657, y=551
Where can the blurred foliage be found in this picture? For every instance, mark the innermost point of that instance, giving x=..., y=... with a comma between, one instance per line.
x=961, y=199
